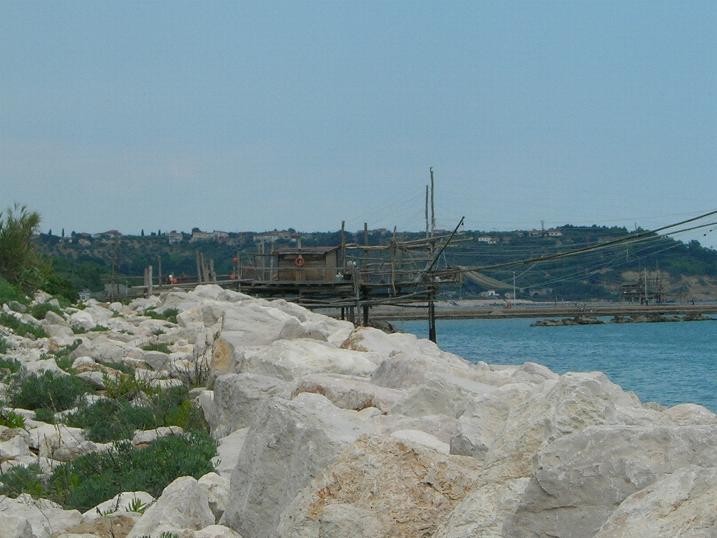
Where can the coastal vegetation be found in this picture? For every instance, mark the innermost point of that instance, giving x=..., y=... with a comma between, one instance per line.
x=89, y=261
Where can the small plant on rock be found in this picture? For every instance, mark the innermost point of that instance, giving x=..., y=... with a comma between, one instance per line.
x=164, y=348
x=11, y=419
x=136, y=505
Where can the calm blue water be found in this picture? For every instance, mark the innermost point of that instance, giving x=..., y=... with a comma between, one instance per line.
x=668, y=363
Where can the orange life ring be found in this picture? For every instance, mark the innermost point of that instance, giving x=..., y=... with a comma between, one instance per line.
x=299, y=261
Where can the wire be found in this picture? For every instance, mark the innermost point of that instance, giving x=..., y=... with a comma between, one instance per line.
x=599, y=246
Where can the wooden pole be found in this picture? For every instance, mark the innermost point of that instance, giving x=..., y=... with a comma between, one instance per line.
x=342, y=263
x=159, y=271
x=433, y=213
x=199, y=268
x=365, y=233
x=427, y=229
x=432, y=317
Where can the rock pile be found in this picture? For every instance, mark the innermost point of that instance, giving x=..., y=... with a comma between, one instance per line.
x=324, y=429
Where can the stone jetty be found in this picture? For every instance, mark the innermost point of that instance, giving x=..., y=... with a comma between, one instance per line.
x=324, y=429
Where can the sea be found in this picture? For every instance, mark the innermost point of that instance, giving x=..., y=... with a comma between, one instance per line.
x=667, y=363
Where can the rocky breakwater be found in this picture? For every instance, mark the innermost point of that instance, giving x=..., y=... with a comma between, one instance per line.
x=323, y=430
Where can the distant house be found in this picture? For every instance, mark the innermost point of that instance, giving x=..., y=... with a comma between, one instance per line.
x=175, y=237
x=554, y=232
x=535, y=233
x=487, y=239
x=308, y=264
x=199, y=235
x=109, y=234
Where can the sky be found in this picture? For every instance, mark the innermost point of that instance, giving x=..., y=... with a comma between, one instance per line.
x=233, y=116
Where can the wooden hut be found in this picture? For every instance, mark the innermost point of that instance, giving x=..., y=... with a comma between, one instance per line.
x=307, y=264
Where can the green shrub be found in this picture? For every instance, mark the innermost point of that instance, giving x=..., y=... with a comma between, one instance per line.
x=63, y=357
x=98, y=476
x=39, y=311
x=8, y=293
x=11, y=419
x=164, y=348
x=47, y=390
x=170, y=314
x=120, y=367
x=45, y=415
x=116, y=419
x=3, y=346
x=125, y=386
x=20, y=479
x=21, y=328
x=8, y=367
x=112, y=420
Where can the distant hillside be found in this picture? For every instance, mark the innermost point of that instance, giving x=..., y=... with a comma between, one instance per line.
x=681, y=271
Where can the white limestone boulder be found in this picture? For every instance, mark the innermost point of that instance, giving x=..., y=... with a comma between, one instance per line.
x=228, y=450
x=104, y=348
x=157, y=360
x=237, y=397
x=687, y=414
x=557, y=408
x=43, y=518
x=14, y=448
x=288, y=443
x=422, y=439
x=182, y=505
x=216, y=531
x=39, y=367
x=680, y=504
x=580, y=479
x=96, y=379
x=484, y=511
x=145, y=437
x=371, y=339
x=485, y=419
x=404, y=370
x=82, y=319
x=120, y=503
x=216, y=488
x=349, y=392
x=61, y=334
x=442, y=427
x=436, y=397
x=291, y=359
x=380, y=487
x=49, y=439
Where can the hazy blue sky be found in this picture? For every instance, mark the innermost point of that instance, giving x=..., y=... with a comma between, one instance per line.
x=255, y=115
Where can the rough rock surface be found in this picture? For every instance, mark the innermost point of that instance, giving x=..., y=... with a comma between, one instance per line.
x=183, y=505
x=381, y=487
x=580, y=479
x=237, y=398
x=324, y=429
x=287, y=445
x=44, y=518
x=681, y=504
